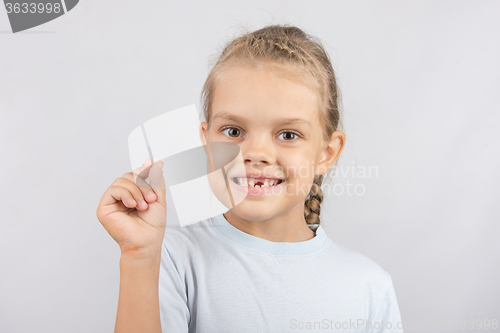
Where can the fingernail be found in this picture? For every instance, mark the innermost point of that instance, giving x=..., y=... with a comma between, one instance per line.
x=150, y=195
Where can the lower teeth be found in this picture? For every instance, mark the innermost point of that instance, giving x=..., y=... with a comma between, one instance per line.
x=257, y=186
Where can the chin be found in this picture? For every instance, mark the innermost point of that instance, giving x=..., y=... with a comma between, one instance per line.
x=248, y=212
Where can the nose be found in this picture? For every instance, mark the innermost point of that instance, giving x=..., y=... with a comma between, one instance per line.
x=258, y=150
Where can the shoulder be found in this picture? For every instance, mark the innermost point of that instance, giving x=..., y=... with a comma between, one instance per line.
x=187, y=237
x=190, y=243
x=358, y=267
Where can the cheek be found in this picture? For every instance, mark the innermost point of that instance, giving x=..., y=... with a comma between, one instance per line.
x=300, y=168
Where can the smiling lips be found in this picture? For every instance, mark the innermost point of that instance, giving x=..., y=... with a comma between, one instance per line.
x=257, y=182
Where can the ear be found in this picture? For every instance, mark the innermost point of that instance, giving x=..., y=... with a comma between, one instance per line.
x=331, y=152
x=204, y=133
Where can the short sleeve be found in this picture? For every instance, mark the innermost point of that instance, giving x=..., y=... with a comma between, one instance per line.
x=388, y=317
x=174, y=310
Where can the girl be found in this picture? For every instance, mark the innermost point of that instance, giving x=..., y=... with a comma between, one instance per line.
x=266, y=265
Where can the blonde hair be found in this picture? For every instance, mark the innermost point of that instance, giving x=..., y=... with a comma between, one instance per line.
x=297, y=56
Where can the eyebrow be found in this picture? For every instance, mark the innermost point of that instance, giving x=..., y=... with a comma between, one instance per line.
x=282, y=121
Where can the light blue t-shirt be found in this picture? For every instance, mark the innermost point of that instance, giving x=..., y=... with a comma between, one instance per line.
x=215, y=278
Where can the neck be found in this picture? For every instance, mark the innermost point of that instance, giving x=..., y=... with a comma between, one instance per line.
x=287, y=227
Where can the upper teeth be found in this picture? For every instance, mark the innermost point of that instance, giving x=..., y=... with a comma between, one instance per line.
x=251, y=182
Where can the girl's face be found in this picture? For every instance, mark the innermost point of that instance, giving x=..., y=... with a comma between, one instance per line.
x=276, y=124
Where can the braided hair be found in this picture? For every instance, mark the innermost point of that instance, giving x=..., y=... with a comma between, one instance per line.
x=299, y=57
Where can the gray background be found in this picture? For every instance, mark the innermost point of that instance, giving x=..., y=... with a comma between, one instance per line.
x=420, y=83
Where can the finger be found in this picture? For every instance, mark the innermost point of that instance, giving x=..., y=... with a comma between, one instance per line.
x=136, y=192
x=157, y=182
x=117, y=193
x=143, y=171
x=148, y=194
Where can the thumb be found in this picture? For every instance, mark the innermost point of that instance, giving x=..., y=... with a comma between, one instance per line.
x=157, y=182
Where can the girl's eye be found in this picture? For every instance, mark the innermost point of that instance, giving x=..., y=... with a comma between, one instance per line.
x=289, y=135
x=232, y=131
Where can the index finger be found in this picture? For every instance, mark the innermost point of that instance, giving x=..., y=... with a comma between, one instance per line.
x=143, y=170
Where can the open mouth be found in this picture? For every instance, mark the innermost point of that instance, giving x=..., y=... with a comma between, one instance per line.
x=251, y=182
